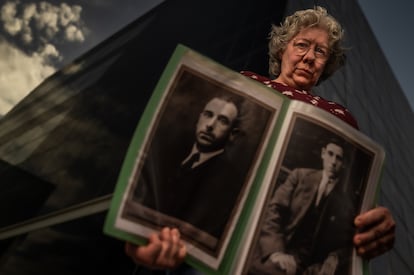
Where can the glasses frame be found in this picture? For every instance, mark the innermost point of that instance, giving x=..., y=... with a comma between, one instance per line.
x=302, y=46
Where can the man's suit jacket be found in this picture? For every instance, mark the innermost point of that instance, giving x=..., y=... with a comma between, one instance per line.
x=288, y=207
x=204, y=196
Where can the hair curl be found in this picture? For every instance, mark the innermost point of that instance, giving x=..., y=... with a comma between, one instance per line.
x=280, y=36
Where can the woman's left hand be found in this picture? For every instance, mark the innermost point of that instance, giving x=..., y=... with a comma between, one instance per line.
x=164, y=250
x=375, y=232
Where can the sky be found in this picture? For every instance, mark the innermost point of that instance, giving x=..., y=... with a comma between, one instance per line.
x=391, y=22
x=38, y=38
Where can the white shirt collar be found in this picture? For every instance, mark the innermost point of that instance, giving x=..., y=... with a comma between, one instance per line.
x=204, y=156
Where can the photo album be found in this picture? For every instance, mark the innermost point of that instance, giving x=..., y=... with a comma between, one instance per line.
x=246, y=174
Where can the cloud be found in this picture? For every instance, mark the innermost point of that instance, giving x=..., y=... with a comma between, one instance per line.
x=12, y=25
x=73, y=33
x=21, y=73
x=46, y=19
x=49, y=51
x=69, y=14
x=37, y=30
x=43, y=21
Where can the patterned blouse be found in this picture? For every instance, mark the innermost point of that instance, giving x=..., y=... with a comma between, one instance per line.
x=302, y=95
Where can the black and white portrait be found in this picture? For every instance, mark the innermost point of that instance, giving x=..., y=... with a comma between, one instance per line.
x=199, y=157
x=307, y=225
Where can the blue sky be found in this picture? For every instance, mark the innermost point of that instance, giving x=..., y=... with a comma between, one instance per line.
x=39, y=37
x=391, y=22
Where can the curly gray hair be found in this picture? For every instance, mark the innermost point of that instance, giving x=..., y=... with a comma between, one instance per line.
x=280, y=36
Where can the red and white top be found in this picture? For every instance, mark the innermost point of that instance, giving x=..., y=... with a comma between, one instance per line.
x=302, y=95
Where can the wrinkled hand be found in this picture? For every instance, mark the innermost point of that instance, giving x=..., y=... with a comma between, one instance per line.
x=376, y=232
x=329, y=265
x=286, y=262
x=164, y=250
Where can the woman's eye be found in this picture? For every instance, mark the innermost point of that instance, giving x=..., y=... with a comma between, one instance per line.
x=321, y=51
x=302, y=45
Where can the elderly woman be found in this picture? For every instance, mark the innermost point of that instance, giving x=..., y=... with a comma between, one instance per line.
x=304, y=50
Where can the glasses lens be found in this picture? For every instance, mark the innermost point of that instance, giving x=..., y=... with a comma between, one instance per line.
x=302, y=46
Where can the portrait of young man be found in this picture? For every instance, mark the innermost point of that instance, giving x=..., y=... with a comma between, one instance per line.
x=199, y=161
x=307, y=223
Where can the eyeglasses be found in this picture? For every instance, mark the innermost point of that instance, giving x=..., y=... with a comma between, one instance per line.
x=302, y=47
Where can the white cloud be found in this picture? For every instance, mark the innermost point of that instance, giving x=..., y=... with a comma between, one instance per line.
x=73, y=33
x=27, y=36
x=11, y=24
x=29, y=11
x=39, y=28
x=69, y=14
x=21, y=73
x=45, y=20
x=48, y=51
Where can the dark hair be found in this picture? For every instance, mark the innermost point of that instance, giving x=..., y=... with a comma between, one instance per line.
x=337, y=141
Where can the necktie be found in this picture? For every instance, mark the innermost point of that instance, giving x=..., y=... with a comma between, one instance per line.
x=189, y=163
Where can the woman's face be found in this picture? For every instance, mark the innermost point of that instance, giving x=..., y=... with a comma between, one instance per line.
x=304, y=59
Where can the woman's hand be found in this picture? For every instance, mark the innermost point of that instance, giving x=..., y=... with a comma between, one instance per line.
x=376, y=232
x=164, y=250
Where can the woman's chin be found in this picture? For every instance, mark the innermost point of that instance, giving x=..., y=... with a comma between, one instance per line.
x=304, y=83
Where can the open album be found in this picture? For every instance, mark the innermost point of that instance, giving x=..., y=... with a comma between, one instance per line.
x=250, y=177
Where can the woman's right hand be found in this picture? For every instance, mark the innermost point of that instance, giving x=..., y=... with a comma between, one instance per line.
x=164, y=250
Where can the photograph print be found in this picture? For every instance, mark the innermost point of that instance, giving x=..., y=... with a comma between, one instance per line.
x=306, y=225
x=197, y=162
